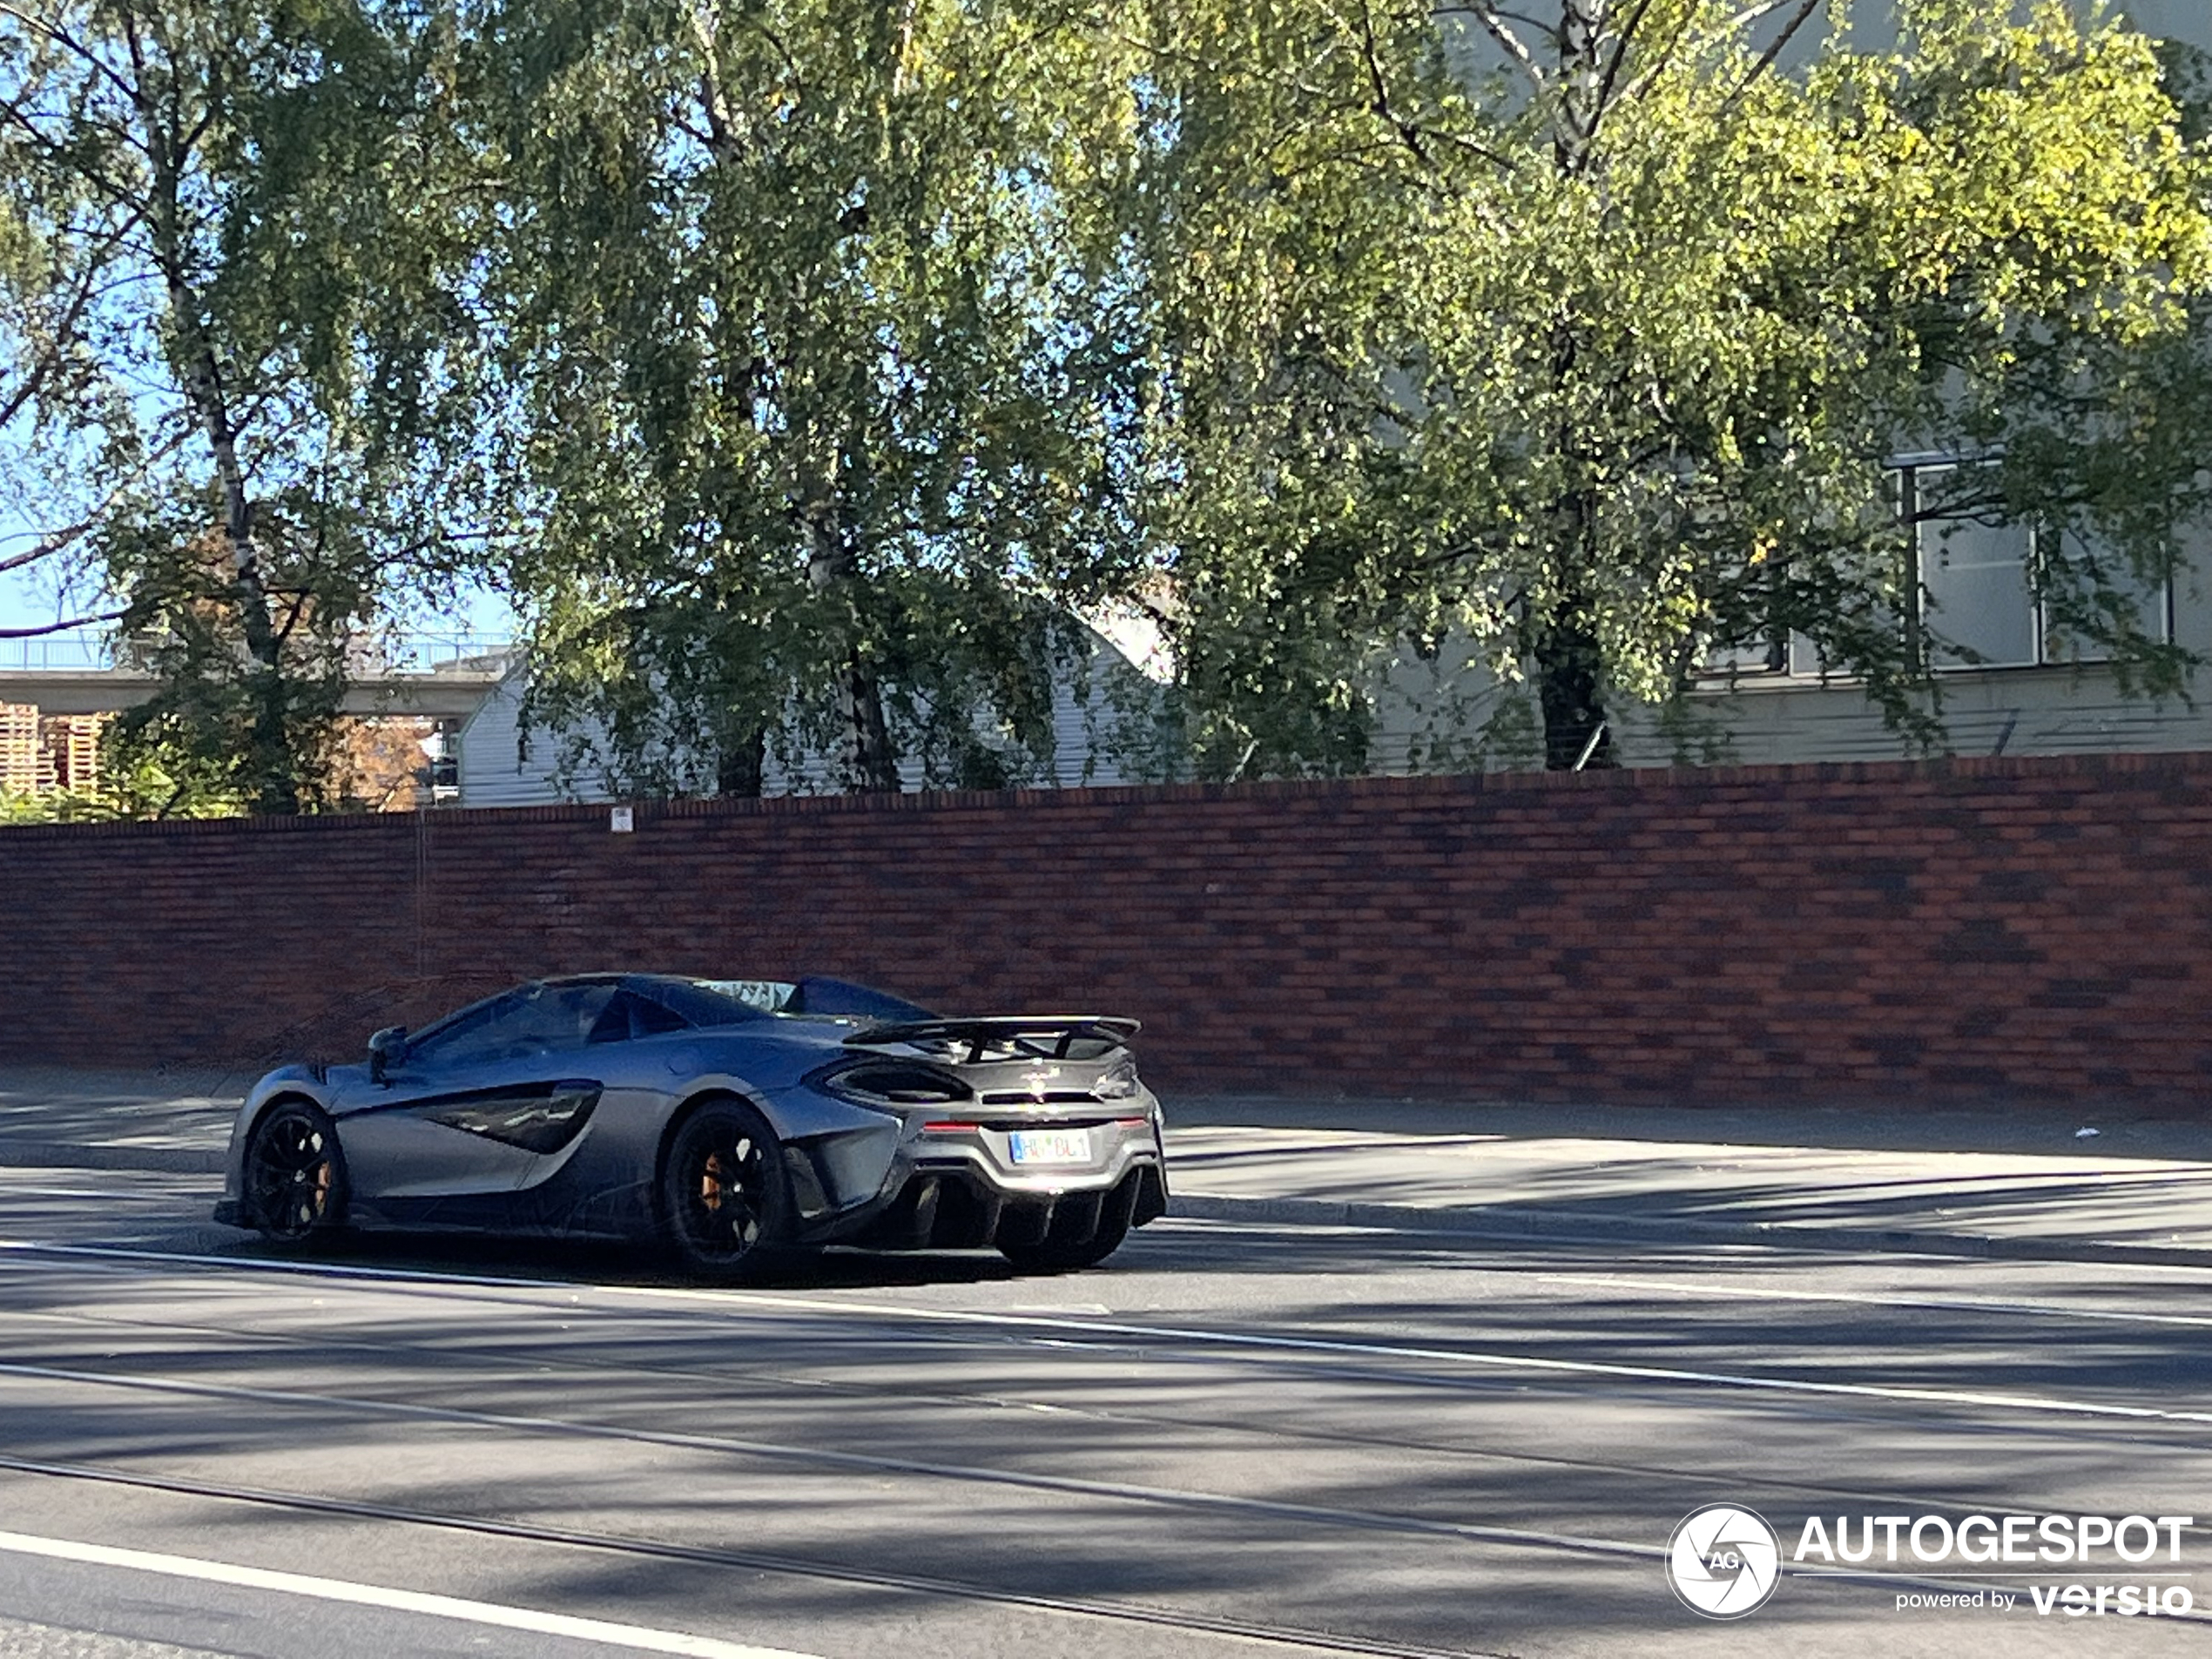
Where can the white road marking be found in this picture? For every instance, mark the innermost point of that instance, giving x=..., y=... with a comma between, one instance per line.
x=15, y=1192
x=1677, y=1287
x=1941, y=1304
x=634, y=1636
x=1445, y=1356
x=1770, y=1244
x=1747, y=1257
x=1093, y=1328
x=1909, y=1576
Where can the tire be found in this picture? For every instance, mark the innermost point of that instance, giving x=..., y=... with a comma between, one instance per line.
x=1050, y=1258
x=294, y=1186
x=724, y=1199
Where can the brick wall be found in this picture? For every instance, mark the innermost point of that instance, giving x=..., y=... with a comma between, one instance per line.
x=1894, y=932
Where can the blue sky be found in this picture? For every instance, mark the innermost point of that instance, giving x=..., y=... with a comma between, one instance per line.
x=20, y=607
x=26, y=602
x=26, y=596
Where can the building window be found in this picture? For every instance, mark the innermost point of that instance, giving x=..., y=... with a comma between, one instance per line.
x=1978, y=607
x=2154, y=614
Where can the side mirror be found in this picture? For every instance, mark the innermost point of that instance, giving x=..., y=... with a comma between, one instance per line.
x=386, y=1049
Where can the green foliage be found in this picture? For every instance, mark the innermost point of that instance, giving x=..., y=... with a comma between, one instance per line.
x=231, y=383
x=801, y=367
x=138, y=782
x=26, y=809
x=1588, y=347
x=815, y=351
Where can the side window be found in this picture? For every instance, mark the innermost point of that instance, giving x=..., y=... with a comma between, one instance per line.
x=466, y=1033
x=629, y=1015
x=539, y=1019
x=649, y=1019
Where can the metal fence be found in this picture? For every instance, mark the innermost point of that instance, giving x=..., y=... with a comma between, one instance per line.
x=85, y=653
x=62, y=653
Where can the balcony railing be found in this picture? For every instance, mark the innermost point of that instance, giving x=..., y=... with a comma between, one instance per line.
x=62, y=653
x=93, y=653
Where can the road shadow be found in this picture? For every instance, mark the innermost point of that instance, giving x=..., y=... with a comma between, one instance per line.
x=1421, y=1417
x=2124, y=1129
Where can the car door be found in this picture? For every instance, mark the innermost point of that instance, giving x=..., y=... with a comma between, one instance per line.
x=476, y=1106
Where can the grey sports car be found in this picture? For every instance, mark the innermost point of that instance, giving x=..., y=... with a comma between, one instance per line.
x=732, y=1120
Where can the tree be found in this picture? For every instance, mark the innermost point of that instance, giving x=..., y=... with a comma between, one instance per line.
x=227, y=343
x=814, y=346
x=1585, y=340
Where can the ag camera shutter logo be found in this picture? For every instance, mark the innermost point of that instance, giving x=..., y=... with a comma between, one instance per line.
x=1723, y=1562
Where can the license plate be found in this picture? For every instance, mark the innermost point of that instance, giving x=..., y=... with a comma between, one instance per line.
x=1051, y=1146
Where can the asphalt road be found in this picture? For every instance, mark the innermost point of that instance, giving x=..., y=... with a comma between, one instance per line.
x=1232, y=1440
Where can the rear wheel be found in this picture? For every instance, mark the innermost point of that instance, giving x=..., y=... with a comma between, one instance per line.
x=295, y=1174
x=1049, y=1256
x=725, y=1206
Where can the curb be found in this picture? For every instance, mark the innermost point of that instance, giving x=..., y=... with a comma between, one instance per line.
x=163, y=1160
x=1596, y=1227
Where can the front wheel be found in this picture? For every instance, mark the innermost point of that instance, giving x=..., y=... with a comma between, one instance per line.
x=726, y=1205
x=295, y=1174
x=1051, y=1258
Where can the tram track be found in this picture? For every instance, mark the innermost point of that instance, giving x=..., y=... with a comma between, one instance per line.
x=1378, y=1358
x=367, y=1342
x=1122, y=1611
x=537, y=1360
x=1132, y=1492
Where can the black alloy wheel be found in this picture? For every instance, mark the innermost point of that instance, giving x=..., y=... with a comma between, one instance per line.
x=724, y=1201
x=1050, y=1257
x=295, y=1174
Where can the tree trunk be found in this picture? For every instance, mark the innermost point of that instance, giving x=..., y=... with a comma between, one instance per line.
x=741, y=767
x=270, y=770
x=1570, y=686
x=871, y=762
x=868, y=762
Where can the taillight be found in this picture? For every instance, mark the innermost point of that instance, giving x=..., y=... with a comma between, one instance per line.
x=892, y=1082
x=1119, y=1081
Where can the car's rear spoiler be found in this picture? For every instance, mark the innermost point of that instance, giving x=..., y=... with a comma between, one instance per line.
x=1043, y=1036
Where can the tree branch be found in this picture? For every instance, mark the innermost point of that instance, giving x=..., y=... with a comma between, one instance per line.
x=1603, y=102
x=1493, y=24
x=69, y=43
x=61, y=627
x=1405, y=129
x=14, y=113
x=59, y=540
x=64, y=330
x=1805, y=9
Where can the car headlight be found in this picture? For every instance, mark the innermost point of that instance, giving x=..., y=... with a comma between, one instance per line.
x=1119, y=1082
x=893, y=1084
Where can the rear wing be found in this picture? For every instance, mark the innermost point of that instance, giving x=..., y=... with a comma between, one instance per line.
x=1041, y=1037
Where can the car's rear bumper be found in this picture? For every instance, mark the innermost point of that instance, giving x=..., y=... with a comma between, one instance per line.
x=951, y=1207
x=956, y=1178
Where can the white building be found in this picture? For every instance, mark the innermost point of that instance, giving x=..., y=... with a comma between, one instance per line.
x=504, y=761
